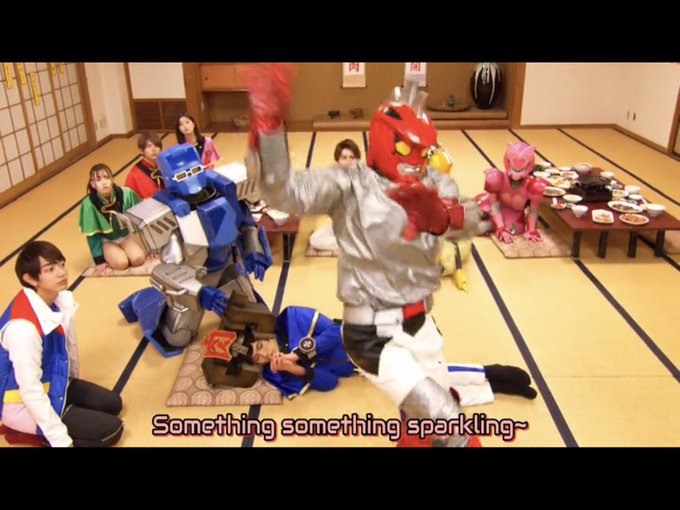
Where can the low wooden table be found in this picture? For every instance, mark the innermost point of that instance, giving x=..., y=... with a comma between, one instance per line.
x=661, y=223
x=665, y=221
x=288, y=229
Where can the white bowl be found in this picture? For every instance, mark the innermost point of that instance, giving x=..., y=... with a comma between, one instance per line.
x=572, y=199
x=632, y=188
x=583, y=168
x=279, y=217
x=579, y=210
x=607, y=175
x=543, y=175
x=653, y=210
x=635, y=196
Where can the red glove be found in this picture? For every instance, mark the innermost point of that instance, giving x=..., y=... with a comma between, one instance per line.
x=426, y=211
x=270, y=95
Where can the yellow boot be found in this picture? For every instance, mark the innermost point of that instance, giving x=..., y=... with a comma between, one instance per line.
x=450, y=259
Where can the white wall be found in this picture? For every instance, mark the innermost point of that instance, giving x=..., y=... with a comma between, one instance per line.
x=109, y=98
x=157, y=81
x=603, y=93
x=650, y=92
x=573, y=93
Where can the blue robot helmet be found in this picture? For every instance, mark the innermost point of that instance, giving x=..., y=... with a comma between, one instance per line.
x=182, y=170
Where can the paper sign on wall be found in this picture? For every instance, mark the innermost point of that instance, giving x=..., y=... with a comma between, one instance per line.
x=22, y=73
x=9, y=81
x=353, y=74
x=35, y=88
x=416, y=71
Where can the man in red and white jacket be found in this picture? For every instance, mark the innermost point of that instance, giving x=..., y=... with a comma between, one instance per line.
x=39, y=389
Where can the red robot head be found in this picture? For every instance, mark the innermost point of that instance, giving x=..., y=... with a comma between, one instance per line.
x=400, y=137
x=518, y=160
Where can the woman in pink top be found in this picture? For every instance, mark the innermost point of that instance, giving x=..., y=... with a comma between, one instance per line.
x=187, y=131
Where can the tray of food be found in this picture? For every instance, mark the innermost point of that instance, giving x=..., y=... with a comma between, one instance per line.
x=624, y=207
x=551, y=191
x=602, y=216
x=634, y=219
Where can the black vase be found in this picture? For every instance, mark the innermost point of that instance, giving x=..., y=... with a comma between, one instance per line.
x=485, y=84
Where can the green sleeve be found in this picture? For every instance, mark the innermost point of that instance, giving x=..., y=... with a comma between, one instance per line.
x=94, y=242
x=90, y=224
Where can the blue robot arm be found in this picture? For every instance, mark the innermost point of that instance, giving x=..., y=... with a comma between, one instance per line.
x=213, y=299
x=254, y=249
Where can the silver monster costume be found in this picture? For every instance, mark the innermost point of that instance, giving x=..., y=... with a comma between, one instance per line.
x=379, y=272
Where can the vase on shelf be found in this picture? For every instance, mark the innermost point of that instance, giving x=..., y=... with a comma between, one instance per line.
x=485, y=84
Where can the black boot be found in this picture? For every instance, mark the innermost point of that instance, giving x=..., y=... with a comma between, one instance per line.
x=510, y=380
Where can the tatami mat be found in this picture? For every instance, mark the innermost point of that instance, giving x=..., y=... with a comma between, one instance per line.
x=603, y=384
x=34, y=210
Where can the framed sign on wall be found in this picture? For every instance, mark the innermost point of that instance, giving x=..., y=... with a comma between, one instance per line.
x=353, y=75
x=416, y=71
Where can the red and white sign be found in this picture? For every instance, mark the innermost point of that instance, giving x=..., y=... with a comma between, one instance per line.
x=353, y=74
x=416, y=71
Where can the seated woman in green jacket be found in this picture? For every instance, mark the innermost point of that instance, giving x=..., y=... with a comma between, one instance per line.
x=110, y=243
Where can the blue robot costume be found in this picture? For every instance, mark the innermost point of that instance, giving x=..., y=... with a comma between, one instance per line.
x=200, y=230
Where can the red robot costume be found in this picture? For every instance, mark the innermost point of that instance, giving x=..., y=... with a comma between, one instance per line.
x=510, y=193
x=387, y=218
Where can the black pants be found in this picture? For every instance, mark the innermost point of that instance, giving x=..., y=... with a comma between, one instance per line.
x=91, y=415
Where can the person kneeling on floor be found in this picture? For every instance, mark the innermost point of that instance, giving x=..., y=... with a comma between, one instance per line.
x=39, y=387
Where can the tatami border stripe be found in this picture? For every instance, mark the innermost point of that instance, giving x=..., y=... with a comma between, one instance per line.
x=254, y=411
x=550, y=402
x=537, y=376
x=629, y=172
x=55, y=220
x=656, y=350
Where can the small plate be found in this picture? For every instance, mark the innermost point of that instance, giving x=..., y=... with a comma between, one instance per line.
x=636, y=220
x=551, y=191
x=624, y=207
x=572, y=199
x=570, y=174
x=566, y=168
x=602, y=216
x=279, y=217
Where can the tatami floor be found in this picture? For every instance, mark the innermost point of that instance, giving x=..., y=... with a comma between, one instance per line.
x=596, y=335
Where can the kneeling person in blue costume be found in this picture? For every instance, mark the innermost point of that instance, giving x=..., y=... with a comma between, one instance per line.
x=201, y=230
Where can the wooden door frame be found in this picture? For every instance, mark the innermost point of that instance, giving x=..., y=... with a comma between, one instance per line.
x=515, y=112
x=193, y=93
x=674, y=128
x=131, y=101
x=85, y=95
